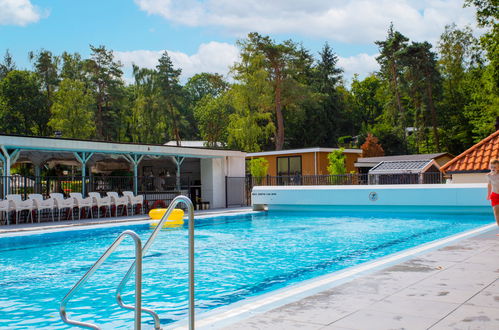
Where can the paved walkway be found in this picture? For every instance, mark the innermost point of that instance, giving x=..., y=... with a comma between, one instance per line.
x=455, y=287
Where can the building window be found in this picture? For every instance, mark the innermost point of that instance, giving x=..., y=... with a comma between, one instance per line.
x=289, y=165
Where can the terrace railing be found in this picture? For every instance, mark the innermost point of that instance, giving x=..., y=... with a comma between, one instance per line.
x=346, y=179
x=159, y=190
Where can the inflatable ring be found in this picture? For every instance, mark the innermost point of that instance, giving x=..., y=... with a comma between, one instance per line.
x=175, y=219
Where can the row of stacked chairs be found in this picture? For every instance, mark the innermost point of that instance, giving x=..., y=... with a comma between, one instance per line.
x=36, y=204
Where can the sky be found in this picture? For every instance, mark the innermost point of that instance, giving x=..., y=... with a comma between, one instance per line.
x=201, y=35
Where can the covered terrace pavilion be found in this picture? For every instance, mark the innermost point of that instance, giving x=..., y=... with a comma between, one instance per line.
x=159, y=171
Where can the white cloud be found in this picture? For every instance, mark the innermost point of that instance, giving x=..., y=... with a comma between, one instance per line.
x=213, y=57
x=361, y=64
x=353, y=21
x=18, y=12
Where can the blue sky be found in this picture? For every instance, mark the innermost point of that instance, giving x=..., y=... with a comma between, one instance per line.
x=201, y=35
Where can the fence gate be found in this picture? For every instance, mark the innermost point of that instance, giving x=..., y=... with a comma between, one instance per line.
x=235, y=191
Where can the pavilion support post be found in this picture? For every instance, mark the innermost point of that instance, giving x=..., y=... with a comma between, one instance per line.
x=83, y=158
x=135, y=159
x=2, y=158
x=9, y=159
x=179, y=160
x=38, y=173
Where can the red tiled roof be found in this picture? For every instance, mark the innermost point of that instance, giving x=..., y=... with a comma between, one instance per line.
x=476, y=158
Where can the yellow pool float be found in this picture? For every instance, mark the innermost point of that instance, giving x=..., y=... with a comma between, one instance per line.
x=175, y=219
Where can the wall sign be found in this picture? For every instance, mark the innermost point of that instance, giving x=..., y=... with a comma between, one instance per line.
x=373, y=196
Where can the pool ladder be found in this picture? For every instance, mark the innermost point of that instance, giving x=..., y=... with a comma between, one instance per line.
x=136, y=267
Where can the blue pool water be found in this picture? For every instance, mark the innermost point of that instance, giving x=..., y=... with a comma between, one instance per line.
x=236, y=257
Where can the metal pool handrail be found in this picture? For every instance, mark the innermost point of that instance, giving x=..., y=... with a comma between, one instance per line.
x=138, y=281
x=190, y=209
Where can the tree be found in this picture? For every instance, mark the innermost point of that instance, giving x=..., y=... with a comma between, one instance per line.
x=170, y=90
x=278, y=61
x=458, y=58
x=46, y=68
x=105, y=78
x=336, y=161
x=389, y=60
x=487, y=15
x=371, y=147
x=367, y=103
x=148, y=123
x=212, y=115
x=197, y=87
x=72, y=112
x=258, y=167
x=73, y=67
x=251, y=124
x=424, y=79
x=326, y=119
x=7, y=65
x=22, y=105
x=202, y=84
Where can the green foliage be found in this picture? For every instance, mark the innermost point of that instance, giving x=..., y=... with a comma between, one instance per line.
x=171, y=93
x=258, y=167
x=23, y=107
x=203, y=84
x=367, y=99
x=72, y=112
x=105, y=81
x=336, y=162
x=148, y=124
x=212, y=115
x=280, y=62
x=251, y=125
x=7, y=65
x=487, y=16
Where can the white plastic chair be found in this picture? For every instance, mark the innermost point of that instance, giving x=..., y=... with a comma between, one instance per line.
x=134, y=200
x=21, y=205
x=82, y=203
x=61, y=203
x=7, y=206
x=42, y=204
x=99, y=201
x=118, y=201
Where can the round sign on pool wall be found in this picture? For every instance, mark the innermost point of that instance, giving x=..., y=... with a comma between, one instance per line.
x=373, y=196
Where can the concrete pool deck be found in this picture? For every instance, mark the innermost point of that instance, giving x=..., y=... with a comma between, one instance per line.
x=454, y=287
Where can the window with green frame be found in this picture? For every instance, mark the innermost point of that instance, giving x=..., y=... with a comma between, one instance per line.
x=289, y=165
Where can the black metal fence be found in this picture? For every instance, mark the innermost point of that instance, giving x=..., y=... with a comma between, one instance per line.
x=347, y=179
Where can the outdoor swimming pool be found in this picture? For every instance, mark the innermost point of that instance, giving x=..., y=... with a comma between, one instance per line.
x=236, y=257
